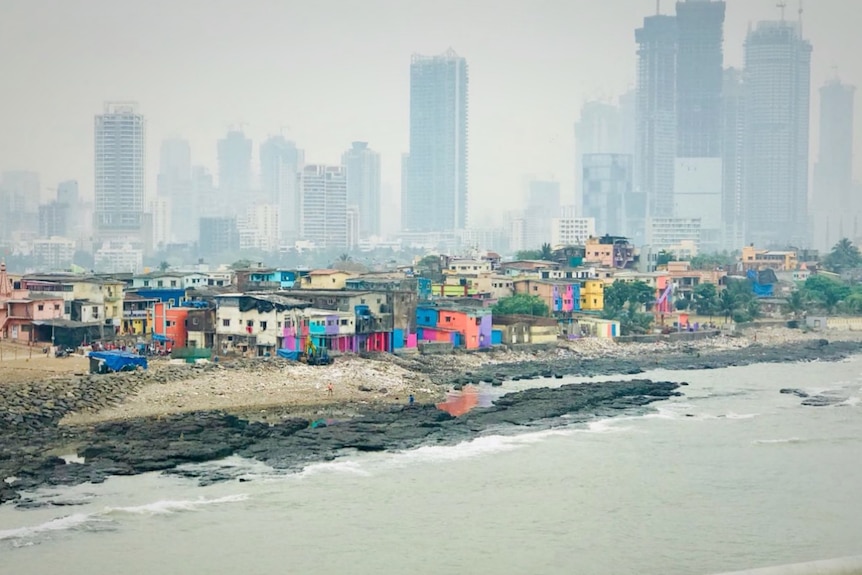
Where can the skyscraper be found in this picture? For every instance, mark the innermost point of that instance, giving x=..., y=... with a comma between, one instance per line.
x=363, y=186
x=699, y=71
x=175, y=206
x=436, y=194
x=543, y=206
x=732, y=155
x=835, y=209
x=323, y=190
x=599, y=131
x=234, y=170
x=777, y=84
x=119, y=166
x=280, y=163
x=656, y=113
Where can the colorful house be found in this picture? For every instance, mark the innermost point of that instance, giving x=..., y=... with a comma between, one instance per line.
x=136, y=310
x=327, y=329
x=17, y=316
x=252, y=323
x=561, y=296
x=592, y=295
x=170, y=326
x=464, y=327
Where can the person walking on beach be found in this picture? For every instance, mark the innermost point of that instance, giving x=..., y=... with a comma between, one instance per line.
x=329, y=389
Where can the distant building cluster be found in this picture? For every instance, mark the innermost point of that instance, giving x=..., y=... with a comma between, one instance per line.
x=696, y=158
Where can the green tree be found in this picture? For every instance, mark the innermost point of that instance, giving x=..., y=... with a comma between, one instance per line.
x=797, y=303
x=826, y=291
x=706, y=299
x=163, y=266
x=546, y=253
x=712, y=261
x=664, y=257
x=521, y=304
x=727, y=304
x=624, y=301
x=523, y=255
x=843, y=257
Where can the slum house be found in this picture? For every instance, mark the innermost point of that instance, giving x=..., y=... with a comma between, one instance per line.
x=324, y=329
x=463, y=327
x=525, y=329
x=248, y=324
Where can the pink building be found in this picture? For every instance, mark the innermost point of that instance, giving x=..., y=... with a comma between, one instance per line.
x=19, y=311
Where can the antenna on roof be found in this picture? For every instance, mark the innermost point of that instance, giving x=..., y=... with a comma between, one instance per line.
x=799, y=12
x=781, y=5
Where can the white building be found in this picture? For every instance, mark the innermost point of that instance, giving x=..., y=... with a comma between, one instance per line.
x=678, y=235
x=280, y=162
x=568, y=230
x=323, y=192
x=54, y=254
x=119, y=186
x=160, y=209
x=258, y=228
x=118, y=257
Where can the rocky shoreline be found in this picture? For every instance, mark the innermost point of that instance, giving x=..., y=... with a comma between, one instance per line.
x=30, y=414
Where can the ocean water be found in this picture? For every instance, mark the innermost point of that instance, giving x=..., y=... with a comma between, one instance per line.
x=734, y=475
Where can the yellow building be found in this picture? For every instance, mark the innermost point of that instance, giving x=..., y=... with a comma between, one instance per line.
x=755, y=259
x=592, y=295
x=326, y=279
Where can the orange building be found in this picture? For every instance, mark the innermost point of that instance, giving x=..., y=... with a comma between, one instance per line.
x=170, y=326
x=465, y=327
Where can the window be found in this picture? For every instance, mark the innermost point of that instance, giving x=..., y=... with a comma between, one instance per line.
x=249, y=323
x=225, y=323
x=41, y=307
x=173, y=283
x=263, y=326
x=146, y=283
x=344, y=322
x=160, y=283
x=56, y=307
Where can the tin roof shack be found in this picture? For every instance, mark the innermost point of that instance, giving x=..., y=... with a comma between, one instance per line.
x=115, y=360
x=526, y=329
x=248, y=324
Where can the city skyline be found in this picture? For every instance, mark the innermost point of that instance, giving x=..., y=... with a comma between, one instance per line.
x=541, y=111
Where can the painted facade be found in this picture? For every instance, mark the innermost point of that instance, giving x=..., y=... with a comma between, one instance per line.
x=592, y=295
x=560, y=296
x=169, y=325
x=464, y=328
x=17, y=316
x=327, y=329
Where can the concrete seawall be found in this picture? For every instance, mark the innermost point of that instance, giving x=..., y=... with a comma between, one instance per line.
x=845, y=566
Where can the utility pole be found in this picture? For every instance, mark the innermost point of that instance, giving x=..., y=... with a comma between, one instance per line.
x=781, y=5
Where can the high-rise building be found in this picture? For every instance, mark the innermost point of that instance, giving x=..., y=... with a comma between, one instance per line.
x=363, y=186
x=258, y=228
x=656, y=113
x=777, y=97
x=174, y=186
x=699, y=77
x=120, y=172
x=835, y=209
x=218, y=236
x=599, y=131
x=234, y=170
x=610, y=198
x=54, y=220
x=67, y=193
x=280, y=163
x=323, y=192
x=20, y=192
x=543, y=205
x=732, y=156
x=436, y=195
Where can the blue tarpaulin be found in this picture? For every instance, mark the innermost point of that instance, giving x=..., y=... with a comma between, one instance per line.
x=288, y=354
x=119, y=360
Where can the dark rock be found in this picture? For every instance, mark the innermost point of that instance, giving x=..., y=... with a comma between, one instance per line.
x=793, y=391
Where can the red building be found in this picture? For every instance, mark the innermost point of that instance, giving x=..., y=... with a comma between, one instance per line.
x=170, y=326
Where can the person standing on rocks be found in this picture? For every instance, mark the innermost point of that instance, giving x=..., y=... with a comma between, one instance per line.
x=329, y=390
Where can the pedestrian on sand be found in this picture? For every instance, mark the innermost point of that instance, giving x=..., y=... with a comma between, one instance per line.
x=329, y=389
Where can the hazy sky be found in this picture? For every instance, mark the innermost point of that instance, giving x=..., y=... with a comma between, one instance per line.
x=327, y=72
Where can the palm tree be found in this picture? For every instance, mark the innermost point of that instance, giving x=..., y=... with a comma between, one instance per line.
x=345, y=257
x=547, y=252
x=163, y=266
x=727, y=304
x=844, y=256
